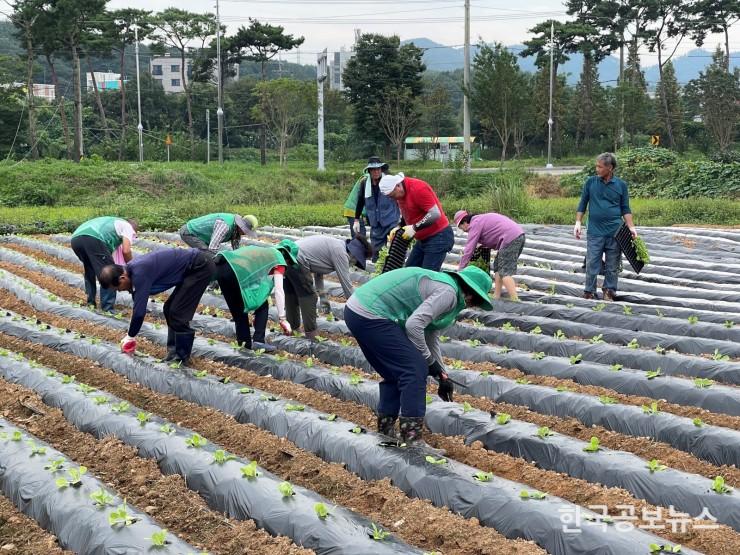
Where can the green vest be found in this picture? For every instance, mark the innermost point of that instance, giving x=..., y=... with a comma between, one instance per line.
x=351, y=203
x=395, y=296
x=252, y=266
x=104, y=229
x=202, y=227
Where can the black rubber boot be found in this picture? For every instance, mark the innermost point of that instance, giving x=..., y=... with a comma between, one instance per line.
x=170, y=345
x=387, y=425
x=412, y=431
x=183, y=346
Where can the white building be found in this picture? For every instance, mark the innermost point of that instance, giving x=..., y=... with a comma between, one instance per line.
x=336, y=64
x=166, y=69
x=106, y=81
x=40, y=90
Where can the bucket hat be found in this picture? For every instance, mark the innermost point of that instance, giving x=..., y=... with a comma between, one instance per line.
x=247, y=224
x=479, y=281
x=375, y=162
x=459, y=215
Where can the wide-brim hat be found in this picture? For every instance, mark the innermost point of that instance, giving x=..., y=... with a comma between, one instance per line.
x=479, y=281
x=357, y=249
x=459, y=215
x=375, y=162
x=247, y=225
x=289, y=248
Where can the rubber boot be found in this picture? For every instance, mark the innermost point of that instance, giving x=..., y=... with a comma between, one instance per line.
x=184, y=346
x=387, y=425
x=412, y=430
x=170, y=345
x=311, y=335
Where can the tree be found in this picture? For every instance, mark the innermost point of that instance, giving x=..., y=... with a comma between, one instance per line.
x=634, y=94
x=380, y=65
x=11, y=102
x=668, y=101
x=499, y=93
x=261, y=42
x=437, y=115
x=720, y=97
x=285, y=106
x=397, y=113
x=177, y=29
x=714, y=16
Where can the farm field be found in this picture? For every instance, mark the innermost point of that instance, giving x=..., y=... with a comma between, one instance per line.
x=578, y=426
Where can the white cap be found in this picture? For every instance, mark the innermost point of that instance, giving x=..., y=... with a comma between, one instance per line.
x=389, y=182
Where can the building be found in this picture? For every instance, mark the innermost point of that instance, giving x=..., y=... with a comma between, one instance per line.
x=444, y=149
x=336, y=65
x=166, y=69
x=105, y=81
x=40, y=90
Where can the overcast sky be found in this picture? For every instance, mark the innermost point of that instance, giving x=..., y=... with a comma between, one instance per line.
x=331, y=23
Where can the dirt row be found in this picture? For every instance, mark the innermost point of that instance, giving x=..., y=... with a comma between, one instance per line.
x=431, y=528
x=165, y=498
x=20, y=535
x=572, y=489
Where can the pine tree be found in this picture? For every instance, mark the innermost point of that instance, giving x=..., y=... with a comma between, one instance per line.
x=669, y=93
x=720, y=94
x=588, y=103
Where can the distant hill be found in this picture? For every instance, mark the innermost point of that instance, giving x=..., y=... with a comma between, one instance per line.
x=438, y=57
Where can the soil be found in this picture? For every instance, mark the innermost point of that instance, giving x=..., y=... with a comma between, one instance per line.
x=20, y=535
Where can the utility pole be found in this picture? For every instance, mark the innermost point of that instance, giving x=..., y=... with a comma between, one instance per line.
x=549, y=118
x=140, y=127
x=208, y=136
x=320, y=78
x=220, y=110
x=466, y=86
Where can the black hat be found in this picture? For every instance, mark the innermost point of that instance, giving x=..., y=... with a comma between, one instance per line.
x=357, y=250
x=376, y=162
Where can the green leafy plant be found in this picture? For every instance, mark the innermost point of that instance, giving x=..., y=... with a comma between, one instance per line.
x=322, y=511
x=66, y=379
x=167, y=429
x=250, y=470
x=159, y=539
x=143, y=417
x=297, y=408
x=73, y=479
x=525, y=494
x=85, y=389
x=599, y=307
x=562, y=388
x=196, y=441
x=538, y=355
x=221, y=457
x=503, y=350
x=474, y=342
x=483, y=476
x=616, y=367
x=703, y=383
x=654, y=465
x=17, y=436
x=477, y=323
x=101, y=498
x=627, y=310
x=457, y=364
x=246, y=390
x=211, y=342
x=309, y=362
x=660, y=350
x=467, y=407
x=55, y=465
x=286, y=489
x=123, y=406
x=428, y=399
x=120, y=517
x=729, y=324
x=355, y=379
x=330, y=417
x=356, y=430
x=593, y=445
x=596, y=339
x=576, y=359
x=508, y=326
x=652, y=374
x=522, y=381
x=719, y=357
x=320, y=338
x=51, y=374
x=433, y=460
x=693, y=319
x=698, y=422
x=503, y=418
x=544, y=432
x=641, y=250
x=265, y=397
x=606, y=400
x=559, y=335
x=345, y=342
x=719, y=486
x=633, y=344
x=200, y=374
x=100, y=399
x=176, y=365
x=666, y=548
x=659, y=313
x=536, y=330
x=651, y=409
x=484, y=374
x=444, y=338
x=378, y=534
x=35, y=449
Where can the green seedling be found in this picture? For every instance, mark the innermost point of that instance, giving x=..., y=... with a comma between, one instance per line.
x=167, y=429
x=356, y=430
x=67, y=379
x=651, y=409
x=220, y=456
x=457, y=365
x=73, y=479
x=474, y=342
x=157, y=326
x=522, y=381
x=345, y=342
x=309, y=362
x=654, y=465
x=703, y=383
x=485, y=374
x=659, y=313
x=250, y=470
x=633, y=344
x=660, y=350
x=698, y=422
x=17, y=436
x=120, y=517
x=544, y=432
x=525, y=494
x=606, y=400
x=86, y=389
x=200, y=374
x=225, y=379
x=536, y=330
x=599, y=307
x=297, y=408
x=35, y=449
x=355, y=379
x=143, y=417
x=321, y=510
x=616, y=367
x=101, y=498
x=477, y=323
x=719, y=486
x=719, y=357
x=55, y=466
x=729, y=324
x=483, y=476
x=330, y=317
x=51, y=374
x=320, y=338
x=335, y=370
x=576, y=359
x=211, y=341
x=551, y=290
x=279, y=358
x=652, y=374
x=286, y=489
x=159, y=539
x=627, y=310
x=444, y=338
x=508, y=326
x=123, y=406
x=593, y=445
x=96, y=340
x=100, y=399
x=693, y=319
x=433, y=460
x=246, y=390
x=559, y=335
x=330, y=417
x=562, y=388
x=467, y=407
x=538, y=355
x=503, y=350
x=196, y=441
x=641, y=250
x=378, y=534
x=596, y=339
x=503, y=418
x=570, y=305
x=667, y=548
x=270, y=398
x=176, y=365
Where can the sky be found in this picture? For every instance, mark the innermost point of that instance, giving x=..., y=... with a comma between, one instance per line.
x=331, y=24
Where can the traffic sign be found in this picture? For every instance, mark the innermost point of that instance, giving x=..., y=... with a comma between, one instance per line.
x=655, y=140
x=168, y=140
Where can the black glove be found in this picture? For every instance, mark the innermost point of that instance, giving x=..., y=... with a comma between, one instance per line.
x=446, y=389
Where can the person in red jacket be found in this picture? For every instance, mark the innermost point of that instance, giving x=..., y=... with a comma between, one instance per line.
x=422, y=218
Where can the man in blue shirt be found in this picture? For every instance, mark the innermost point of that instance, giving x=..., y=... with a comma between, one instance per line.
x=189, y=271
x=608, y=202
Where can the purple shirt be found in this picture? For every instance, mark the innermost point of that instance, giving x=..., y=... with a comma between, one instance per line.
x=492, y=231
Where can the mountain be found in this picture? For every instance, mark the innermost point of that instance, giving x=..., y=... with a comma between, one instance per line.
x=438, y=57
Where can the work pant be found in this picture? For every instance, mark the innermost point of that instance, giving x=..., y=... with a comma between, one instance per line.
x=596, y=245
x=229, y=285
x=182, y=302
x=300, y=298
x=191, y=240
x=430, y=253
x=392, y=355
x=94, y=255
x=379, y=238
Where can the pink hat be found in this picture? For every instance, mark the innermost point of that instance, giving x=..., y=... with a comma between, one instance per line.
x=459, y=215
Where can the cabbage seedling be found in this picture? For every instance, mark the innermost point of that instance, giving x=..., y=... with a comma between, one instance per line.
x=599, y=307
x=200, y=374
x=86, y=389
x=477, y=323
x=667, y=548
x=67, y=379
x=428, y=399
x=544, y=432
x=651, y=409
x=120, y=517
x=718, y=485
x=503, y=350
x=522, y=381
x=576, y=359
x=100, y=399
x=596, y=339
x=693, y=319
x=467, y=407
x=525, y=494
x=246, y=390
x=508, y=326
x=660, y=350
x=703, y=383
x=309, y=362
x=457, y=364
x=320, y=338
x=378, y=534
x=433, y=460
x=559, y=335
x=538, y=356
x=719, y=357
x=483, y=476
x=503, y=418
x=593, y=445
x=627, y=310
x=562, y=388
x=143, y=417
x=633, y=344
x=322, y=511
x=196, y=441
x=101, y=498
x=55, y=466
x=250, y=470
x=73, y=479
x=356, y=430
x=167, y=429
x=123, y=406
x=298, y=408
x=355, y=379
x=265, y=397
x=444, y=338
x=729, y=324
x=17, y=436
x=698, y=422
x=220, y=456
x=474, y=342
x=35, y=449
x=286, y=489
x=654, y=465
x=344, y=342
x=652, y=374
x=616, y=367
x=159, y=539
x=536, y=330
x=606, y=400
